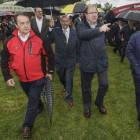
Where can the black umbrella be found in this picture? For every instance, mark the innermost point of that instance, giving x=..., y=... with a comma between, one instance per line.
x=48, y=96
x=130, y=15
x=44, y=3
x=79, y=7
x=121, y=15
x=50, y=10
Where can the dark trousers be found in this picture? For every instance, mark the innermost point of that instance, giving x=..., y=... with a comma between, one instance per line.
x=117, y=47
x=86, y=79
x=123, y=53
x=66, y=78
x=137, y=91
x=32, y=90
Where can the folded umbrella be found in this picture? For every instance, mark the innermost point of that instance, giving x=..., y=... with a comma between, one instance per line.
x=48, y=96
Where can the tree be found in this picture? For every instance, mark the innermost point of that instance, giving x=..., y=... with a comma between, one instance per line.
x=107, y=7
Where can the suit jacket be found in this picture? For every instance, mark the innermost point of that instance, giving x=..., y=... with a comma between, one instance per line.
x=45, y=25
x=66, y=55
x=57, y=23
x=76, y=22
x=115, y=34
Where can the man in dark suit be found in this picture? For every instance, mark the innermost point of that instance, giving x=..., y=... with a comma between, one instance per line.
x=127, y=31
x=93, y=58
x=66, y=54
x=115, y=37
x=78, y=19
x=56, y=20
x=39, y=23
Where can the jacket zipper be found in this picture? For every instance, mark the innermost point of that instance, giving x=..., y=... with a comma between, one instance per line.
x=24, y=56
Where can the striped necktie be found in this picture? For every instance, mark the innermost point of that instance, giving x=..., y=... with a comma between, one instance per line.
x=65, y=35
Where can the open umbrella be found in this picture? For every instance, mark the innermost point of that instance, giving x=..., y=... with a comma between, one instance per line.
x=44, y=3
x=50, y=10
x=11, y=7
x=2, y=14
x=77, y=7
x=129, y=15
x=132, y=15
x=48, y=96
x=8, y=13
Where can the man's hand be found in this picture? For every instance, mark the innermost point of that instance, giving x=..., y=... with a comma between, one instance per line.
x=105, y=27
x=122, y=39
x=49, y=75
x=134, y=28
x=51, y=24
x=11, y=82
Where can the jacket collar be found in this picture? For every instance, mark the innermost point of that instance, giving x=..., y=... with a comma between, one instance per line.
x=87, y=24
x=15, y=32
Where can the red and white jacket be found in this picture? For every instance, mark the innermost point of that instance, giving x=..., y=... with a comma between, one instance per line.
x=28, y=61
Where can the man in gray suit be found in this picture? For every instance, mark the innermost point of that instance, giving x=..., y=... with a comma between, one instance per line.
x=39, y=23
x=66, y=54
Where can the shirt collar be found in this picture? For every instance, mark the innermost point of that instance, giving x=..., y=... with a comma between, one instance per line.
x=23, y=38
x=91, y=24
x=39, y=19
x=66, y=29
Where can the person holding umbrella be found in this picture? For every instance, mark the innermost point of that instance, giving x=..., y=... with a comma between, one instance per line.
x=25, y=52
x=66, y=55
x=93, y=58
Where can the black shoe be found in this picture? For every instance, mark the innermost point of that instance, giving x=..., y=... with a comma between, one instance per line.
x=114, y=51
x=87, y=113
x=121, y=61
x=27, y=132
x=101, y=108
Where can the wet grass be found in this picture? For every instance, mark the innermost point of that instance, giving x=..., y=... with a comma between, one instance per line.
x=120, y=122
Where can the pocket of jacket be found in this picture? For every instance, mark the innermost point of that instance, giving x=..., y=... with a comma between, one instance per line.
x=34, y=48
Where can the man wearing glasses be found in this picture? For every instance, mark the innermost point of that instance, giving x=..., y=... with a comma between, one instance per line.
x=93, y=58
x=39, y=23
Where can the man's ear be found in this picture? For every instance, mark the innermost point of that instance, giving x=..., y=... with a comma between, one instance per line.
x=16, y=25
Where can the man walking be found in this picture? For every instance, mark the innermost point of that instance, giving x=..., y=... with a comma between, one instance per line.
x=93, y=58
x=127, y=31
x=25, y=53
x=133, y=55
x=66, y=55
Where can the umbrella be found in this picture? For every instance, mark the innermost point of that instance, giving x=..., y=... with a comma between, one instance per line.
x=132, y=15
x=2, y=14
x=119, y=16
x=11, y=7
x=8, y=13
x=76, y=8
x=48, y=96
x=50, y=10
x=44, y=3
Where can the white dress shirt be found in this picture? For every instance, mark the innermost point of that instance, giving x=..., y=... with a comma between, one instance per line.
x=39, y=23
x=23, y=38
x=67, y=33
x=92, y=25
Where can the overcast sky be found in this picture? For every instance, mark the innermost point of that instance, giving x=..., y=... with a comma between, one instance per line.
x=114, y=2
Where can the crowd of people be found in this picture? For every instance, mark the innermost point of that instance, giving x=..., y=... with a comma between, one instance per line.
x=29, y=47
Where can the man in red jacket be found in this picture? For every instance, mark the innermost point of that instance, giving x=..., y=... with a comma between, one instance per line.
x=25, y=53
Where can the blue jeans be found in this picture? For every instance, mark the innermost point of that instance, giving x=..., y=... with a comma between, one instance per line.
x=32, y=90
x=66, y=78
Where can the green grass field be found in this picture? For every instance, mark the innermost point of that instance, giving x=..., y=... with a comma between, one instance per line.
x=120, y=122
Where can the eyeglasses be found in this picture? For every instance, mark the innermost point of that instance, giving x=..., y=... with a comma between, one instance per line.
x=39, y=11
x=93, y=13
